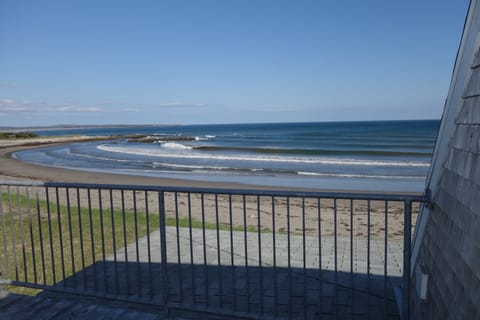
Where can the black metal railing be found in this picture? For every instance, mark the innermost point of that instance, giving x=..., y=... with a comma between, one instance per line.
x=237, y=253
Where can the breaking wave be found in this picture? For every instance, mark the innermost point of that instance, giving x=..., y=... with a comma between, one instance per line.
x=193, y=154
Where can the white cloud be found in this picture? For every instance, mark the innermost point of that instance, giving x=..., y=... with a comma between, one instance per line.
x=12, y=106
x=9, y=105
x=73, y=108
x=181, y=105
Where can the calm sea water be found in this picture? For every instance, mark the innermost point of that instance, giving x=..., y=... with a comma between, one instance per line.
x=370, y=156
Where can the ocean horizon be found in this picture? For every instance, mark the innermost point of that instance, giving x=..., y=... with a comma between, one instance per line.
x=367, y=156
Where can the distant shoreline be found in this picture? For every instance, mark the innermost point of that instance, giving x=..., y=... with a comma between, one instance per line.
x=81, y=127
x=109, y=126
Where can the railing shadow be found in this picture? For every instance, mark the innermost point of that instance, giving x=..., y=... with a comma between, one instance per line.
x=240, y=291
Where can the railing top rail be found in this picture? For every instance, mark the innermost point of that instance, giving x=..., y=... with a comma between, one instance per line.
x=225, y=191
x=22, y=183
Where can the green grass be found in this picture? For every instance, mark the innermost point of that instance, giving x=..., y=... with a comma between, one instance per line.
x=32, y=220
x=37, y=237
x=17, y=135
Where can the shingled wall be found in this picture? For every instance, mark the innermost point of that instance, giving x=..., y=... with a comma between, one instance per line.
x=449, y=249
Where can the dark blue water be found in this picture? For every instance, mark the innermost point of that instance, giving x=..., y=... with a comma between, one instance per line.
x=370, y=156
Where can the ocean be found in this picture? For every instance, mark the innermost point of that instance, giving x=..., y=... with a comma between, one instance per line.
x=371, y=156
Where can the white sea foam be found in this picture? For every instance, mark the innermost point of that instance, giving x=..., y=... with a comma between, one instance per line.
x=207, y=156
x=173, y=145
x=205, y=138
x=88, y=156
x=342, y=175
x=184, y=166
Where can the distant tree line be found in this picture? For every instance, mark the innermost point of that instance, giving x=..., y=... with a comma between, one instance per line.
x=17, y=135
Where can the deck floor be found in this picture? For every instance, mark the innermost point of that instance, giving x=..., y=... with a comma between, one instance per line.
x=325, y=293
x=51, y=306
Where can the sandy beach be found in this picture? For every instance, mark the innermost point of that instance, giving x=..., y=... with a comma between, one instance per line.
x=330, y=223
x=12, y=169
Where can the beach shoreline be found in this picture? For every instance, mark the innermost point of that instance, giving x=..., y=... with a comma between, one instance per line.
x=13, y=169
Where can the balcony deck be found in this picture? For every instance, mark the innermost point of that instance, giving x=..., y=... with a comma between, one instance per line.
x=218, y=271
x=349, y=297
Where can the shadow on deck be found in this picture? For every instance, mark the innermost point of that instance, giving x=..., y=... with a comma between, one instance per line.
x=119, y=290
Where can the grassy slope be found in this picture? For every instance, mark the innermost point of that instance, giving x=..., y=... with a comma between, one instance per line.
x=80, y=231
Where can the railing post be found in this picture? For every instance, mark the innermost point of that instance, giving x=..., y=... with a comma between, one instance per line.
x=407, y=241
x=163, y=246
x=4, y=273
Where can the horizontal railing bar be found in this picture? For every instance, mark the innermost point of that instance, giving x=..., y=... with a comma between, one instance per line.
x=144, y=302
x=216, y=312
x=62, y=289
x=14, y=183
x=260, y=192
x=85, y=294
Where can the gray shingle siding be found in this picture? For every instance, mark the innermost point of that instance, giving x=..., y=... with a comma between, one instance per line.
x=450, y=247
x=470, y=112
x=473, y=88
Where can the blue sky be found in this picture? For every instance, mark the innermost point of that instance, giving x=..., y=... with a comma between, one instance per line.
x=225, y=61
